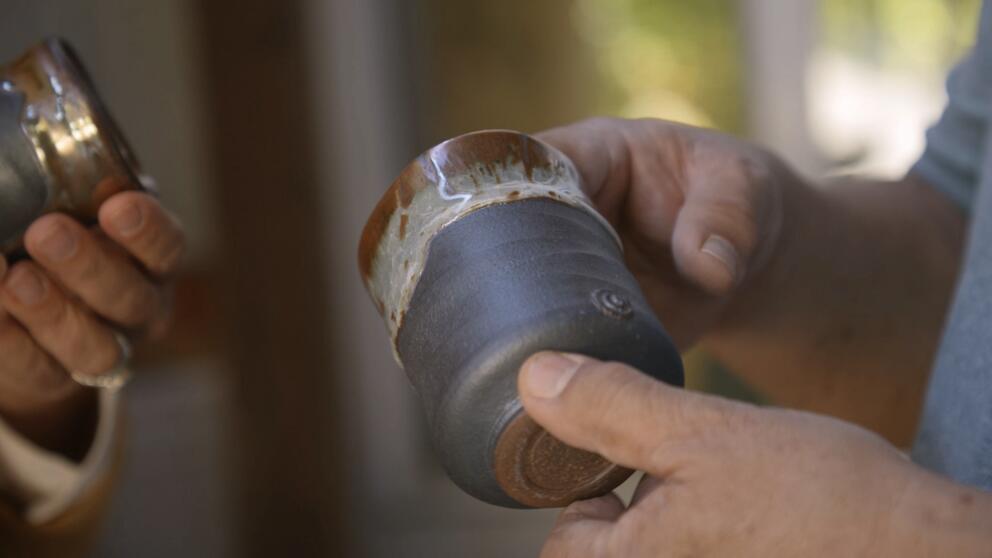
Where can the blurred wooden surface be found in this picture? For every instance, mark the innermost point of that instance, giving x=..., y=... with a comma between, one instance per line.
x=514, y=64
x=273, y=302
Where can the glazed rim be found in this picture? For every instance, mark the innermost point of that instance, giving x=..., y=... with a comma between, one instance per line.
x=80, y=152
x=65, y=58
x=445, y=183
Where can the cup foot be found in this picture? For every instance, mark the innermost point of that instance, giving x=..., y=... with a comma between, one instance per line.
x=537, y=470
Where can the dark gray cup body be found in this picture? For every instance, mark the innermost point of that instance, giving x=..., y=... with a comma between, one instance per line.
x=500, y=284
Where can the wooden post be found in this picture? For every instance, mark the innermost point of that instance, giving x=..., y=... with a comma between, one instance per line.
x=275, y=307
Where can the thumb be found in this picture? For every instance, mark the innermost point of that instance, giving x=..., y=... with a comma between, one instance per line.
x=718, y=232
x=614, y=410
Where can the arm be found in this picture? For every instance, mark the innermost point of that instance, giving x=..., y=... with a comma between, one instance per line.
x=829, y=298
x=854, y=296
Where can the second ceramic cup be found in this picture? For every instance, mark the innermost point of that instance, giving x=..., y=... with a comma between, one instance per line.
x=484, y=251
x=60, y=150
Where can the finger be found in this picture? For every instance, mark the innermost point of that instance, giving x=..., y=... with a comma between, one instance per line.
x=616, y=411
x=145, y=229
x=599, y=151
x=717, y=230
x=105, y=278
x=28, y=375
x=583, y=528
x=60, y=325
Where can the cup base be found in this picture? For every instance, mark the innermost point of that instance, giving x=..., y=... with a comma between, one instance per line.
x=536, y=469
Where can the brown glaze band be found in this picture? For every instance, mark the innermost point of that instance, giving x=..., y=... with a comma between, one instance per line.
x=445, y=183
x=469, y=155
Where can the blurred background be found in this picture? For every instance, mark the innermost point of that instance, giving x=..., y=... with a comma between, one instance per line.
x=274, y=421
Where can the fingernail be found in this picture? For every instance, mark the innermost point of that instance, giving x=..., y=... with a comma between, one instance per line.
x=723, y=251
x=127, y=219
x=26, y=285
x=57, y=243
x=546, y=375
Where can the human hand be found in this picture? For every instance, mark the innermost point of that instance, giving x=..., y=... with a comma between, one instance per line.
x=61, y=310
x=731, y=479
x=699, y=212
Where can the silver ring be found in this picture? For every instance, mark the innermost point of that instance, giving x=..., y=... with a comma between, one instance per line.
x=116, y=377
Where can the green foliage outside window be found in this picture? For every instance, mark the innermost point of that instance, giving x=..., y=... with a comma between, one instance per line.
x=914, y=35
x=668, y=58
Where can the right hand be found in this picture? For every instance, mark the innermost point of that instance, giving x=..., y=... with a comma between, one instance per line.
x=700, y=213
x=725, y=478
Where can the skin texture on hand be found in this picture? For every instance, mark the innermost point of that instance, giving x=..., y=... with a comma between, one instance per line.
x=829, y=299
x=730, y=479
x=59, y=311
x=698, y=212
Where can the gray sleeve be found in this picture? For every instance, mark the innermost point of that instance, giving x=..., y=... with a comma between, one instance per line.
x=952, y=160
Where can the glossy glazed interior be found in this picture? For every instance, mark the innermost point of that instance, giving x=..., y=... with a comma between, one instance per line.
x=81, y=150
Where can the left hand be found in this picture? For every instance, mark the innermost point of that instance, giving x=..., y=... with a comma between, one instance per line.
x=62, y=309
x=724, y=478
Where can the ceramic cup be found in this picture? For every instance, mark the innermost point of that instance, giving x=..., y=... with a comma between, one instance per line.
x=484, y=251
x=60, y=150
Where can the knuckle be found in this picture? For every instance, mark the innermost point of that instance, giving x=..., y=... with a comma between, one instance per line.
x=50, y=313
x=738, y=216
x=735, y=416
x=734, y=207
x=172, y=255
x=646, y=124
x=91, y=354
x=599, y=121
x=70, y=336
x=755, y=166
x=163, y=248
x=88, y=267
x=713, y=416
x=46, y=223
x=135, y=305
